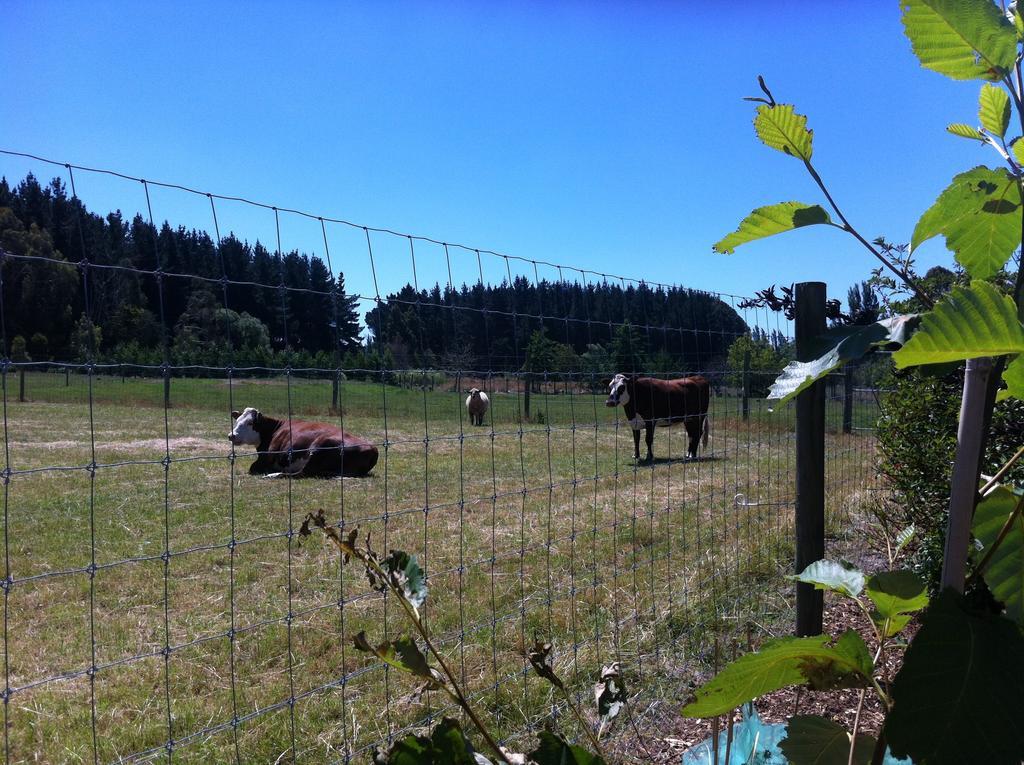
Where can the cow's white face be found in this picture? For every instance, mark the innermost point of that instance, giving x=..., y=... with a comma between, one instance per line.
x=244, y=433
x=617, y=393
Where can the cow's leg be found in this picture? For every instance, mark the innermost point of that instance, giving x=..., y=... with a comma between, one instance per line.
x=649, y=439
x=636, y=444
x=263, y=465
x=692, y=434
x=295, y=463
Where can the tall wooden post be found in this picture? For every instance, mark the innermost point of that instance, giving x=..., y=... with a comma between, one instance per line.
x=810, y=459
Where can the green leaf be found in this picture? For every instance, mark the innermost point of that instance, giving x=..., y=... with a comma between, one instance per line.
x=968, y=323
x=780, y=663
x=896, y=595
x=903, y=538
x=958, y=696
x=405, y=573
x=1004, y=573
x=446, y=745
x=1017, y=149
x=771, y=220
x=838, y=346
x=965, y=131
x=813, y=740
x=1018, y=23
x=962, y=39
x=401, y=654
x=979, y=214
x=1013, y=376
x=854, y=650
x=780, y=127
x=839, y=577
x=555, y=750
x=994, y=109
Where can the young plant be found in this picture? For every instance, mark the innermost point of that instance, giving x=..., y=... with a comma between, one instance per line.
x=965, y=667
x=400, y=575
x=888, y=599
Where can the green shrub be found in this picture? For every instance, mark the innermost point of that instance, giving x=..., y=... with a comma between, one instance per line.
x=917, y=440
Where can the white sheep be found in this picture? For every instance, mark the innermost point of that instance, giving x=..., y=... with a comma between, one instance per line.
x=477, y=403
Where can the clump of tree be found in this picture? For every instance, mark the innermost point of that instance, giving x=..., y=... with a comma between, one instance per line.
x=490, y=327
x=768, y=353
x=134, y=316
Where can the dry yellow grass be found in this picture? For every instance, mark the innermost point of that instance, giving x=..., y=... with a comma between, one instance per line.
x=211, y=626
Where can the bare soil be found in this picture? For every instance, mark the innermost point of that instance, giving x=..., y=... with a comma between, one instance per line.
x=663, y=734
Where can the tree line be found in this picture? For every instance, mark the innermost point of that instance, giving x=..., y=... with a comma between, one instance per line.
x=150, y=292
x=560, y=327
x=108, y=289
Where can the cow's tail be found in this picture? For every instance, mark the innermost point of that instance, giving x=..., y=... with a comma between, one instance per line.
x=706, y=432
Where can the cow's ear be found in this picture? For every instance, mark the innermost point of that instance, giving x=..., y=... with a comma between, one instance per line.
x=235, y=414
x=605, y=382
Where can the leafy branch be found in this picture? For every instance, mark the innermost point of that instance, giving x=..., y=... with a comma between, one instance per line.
x=400, y=575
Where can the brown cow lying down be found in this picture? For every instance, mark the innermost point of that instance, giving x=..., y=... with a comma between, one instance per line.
x=651, y=403
x=300, y=448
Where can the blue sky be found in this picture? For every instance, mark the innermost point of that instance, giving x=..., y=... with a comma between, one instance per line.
x=609, y=136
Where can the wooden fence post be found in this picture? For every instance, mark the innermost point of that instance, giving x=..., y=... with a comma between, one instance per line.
x=810, y=459
x=848, y=399
x=21, y=385
x=746, y=385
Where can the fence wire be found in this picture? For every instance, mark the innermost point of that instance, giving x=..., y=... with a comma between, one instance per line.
x=160, y=605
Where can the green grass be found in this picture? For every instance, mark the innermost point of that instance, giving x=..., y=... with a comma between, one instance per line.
x=539, y=529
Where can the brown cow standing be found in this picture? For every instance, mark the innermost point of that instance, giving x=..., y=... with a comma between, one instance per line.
x=301, y=448
x=651, y=403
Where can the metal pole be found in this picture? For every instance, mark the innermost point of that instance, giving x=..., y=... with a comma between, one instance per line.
x=964, y=485
x=810, y=459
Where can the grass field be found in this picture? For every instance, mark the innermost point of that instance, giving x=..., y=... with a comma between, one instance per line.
x=158, y=594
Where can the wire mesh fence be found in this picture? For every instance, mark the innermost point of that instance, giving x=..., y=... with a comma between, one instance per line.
x=159, y=603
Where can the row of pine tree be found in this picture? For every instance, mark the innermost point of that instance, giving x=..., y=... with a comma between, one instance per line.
x=81, y=286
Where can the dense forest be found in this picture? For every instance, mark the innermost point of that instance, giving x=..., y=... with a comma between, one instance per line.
x=551, y=326
x=80, y=286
